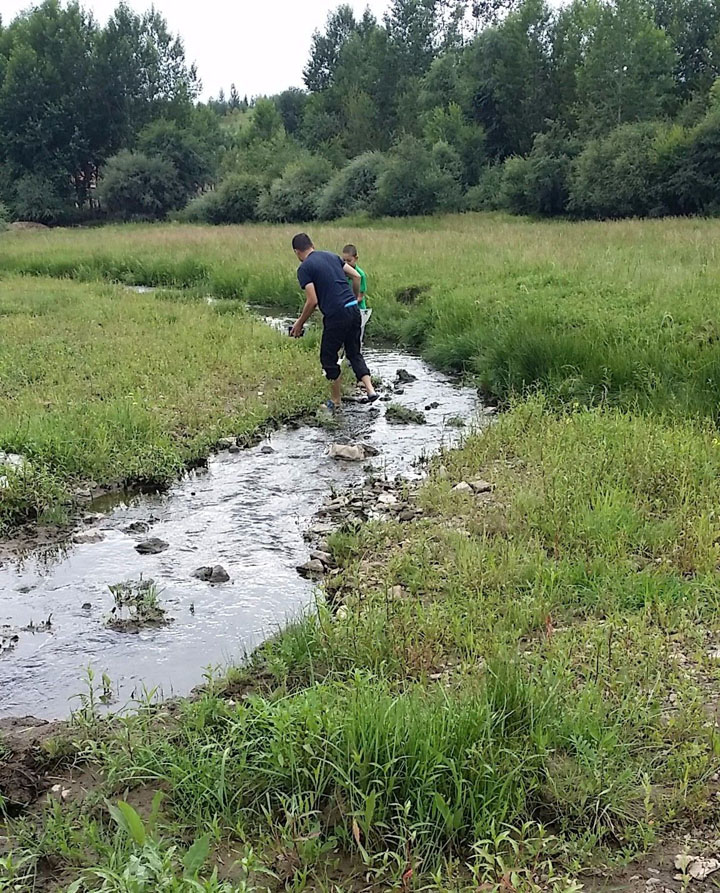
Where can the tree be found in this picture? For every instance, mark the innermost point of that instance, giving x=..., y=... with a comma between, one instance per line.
x=234, y=100
x=508, y=73
x=137, y=186
x=326, y=47
x=189, y=155
x=291, y=105
x=626, y=70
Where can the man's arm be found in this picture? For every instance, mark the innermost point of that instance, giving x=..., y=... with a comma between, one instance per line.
x=311, y=303
x=354, y=277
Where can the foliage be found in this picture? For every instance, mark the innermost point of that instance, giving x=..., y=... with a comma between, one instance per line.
x=415, y=182
x=294, y=195
x=353, y=189
x=138, y=186
x=189, y=155
x=234, y=201
x=38, y=199
x=614, y=176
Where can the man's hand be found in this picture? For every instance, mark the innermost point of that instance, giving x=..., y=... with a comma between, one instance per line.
x=297, y=330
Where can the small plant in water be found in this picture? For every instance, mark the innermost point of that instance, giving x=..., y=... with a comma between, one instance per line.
x=136, y=604
x=403, y=415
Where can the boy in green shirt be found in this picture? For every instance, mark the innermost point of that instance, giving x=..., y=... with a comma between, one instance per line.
x=350, y=256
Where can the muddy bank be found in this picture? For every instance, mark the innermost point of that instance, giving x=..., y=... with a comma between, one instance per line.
x=247, y=511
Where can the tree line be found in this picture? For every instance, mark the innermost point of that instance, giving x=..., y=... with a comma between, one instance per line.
x=602, y=108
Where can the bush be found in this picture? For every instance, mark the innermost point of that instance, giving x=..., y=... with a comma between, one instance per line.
x=617, y=175
x=413, y=182
x=234, y=201
x=294, y=195
x=514, y=185
x=548, y=174
x=487, y=194
x=38, y=199
x=353, y=189
x=137, y=186
x=4, y=216
x=695, y=178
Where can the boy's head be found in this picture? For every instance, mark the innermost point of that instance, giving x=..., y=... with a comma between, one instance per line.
x=350, y=255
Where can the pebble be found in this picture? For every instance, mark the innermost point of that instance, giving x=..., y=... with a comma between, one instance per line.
x=86, y=606
x=481, y=486
x=137, y=527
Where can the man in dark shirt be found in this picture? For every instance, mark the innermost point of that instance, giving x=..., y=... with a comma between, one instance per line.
x=324, y=278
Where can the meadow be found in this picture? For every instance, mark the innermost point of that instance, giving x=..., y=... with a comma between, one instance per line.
x=516, y=690
x=618, y=313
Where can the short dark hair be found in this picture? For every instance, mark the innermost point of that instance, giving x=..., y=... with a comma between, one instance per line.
x=350, y=249
x=301, y=242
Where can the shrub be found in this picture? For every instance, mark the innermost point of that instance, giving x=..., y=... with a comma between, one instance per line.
x=353, y=189
x=294, y=195
x=4, y=216
x=547, y=181
x=137, y=186
x=487, y=194
x=616, y=175
x=234, y=201
x=413, y=182
x=695, y=179
x=38, y=199
x=514, y=185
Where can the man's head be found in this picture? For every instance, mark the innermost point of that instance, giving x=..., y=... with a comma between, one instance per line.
x=302, y=245
x=350, y=255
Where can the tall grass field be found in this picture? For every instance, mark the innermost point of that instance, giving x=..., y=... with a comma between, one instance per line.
x=515, y=690
x=596, y=312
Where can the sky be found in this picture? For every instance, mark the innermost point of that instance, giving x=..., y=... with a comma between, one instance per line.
x=259, y=45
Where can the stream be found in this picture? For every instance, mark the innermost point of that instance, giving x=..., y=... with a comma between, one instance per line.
x=246, y=511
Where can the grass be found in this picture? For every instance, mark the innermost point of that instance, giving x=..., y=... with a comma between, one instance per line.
x=98, y=384
x=511, y=690
x=595, y=312
x=520, y=683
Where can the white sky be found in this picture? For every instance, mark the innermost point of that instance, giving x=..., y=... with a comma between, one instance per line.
x=260, y=45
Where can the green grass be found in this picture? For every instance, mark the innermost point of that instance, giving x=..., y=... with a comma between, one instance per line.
x=596, y=312
x=518, y=681
x=98, y=384
x=520, y=684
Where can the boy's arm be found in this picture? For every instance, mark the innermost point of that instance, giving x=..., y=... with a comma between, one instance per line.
x=354, y=278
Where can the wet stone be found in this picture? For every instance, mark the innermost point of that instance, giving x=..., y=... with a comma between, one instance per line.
x=433, y=405
x=324, y=557
x=153, y=546
x=267, y=449
x=87, y=537
x=86, y=606
x=137, y=527
x=312, y=568
x=216, y=574
x=402, y=376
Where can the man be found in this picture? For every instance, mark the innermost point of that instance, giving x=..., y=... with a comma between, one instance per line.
x=324, y=278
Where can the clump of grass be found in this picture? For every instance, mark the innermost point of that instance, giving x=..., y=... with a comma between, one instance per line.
x=137, y=604
x=397, y=414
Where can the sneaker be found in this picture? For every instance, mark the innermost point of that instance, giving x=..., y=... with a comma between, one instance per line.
x=371, y=398
x=330, y=406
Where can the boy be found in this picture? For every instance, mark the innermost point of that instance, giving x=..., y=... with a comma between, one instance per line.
x=350, y=256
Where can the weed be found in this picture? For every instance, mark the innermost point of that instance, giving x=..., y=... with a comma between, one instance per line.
x=397, y=414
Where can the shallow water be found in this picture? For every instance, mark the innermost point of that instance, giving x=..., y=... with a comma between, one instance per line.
x=246, y=511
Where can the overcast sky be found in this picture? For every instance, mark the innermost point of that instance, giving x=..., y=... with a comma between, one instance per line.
x=260, y=45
